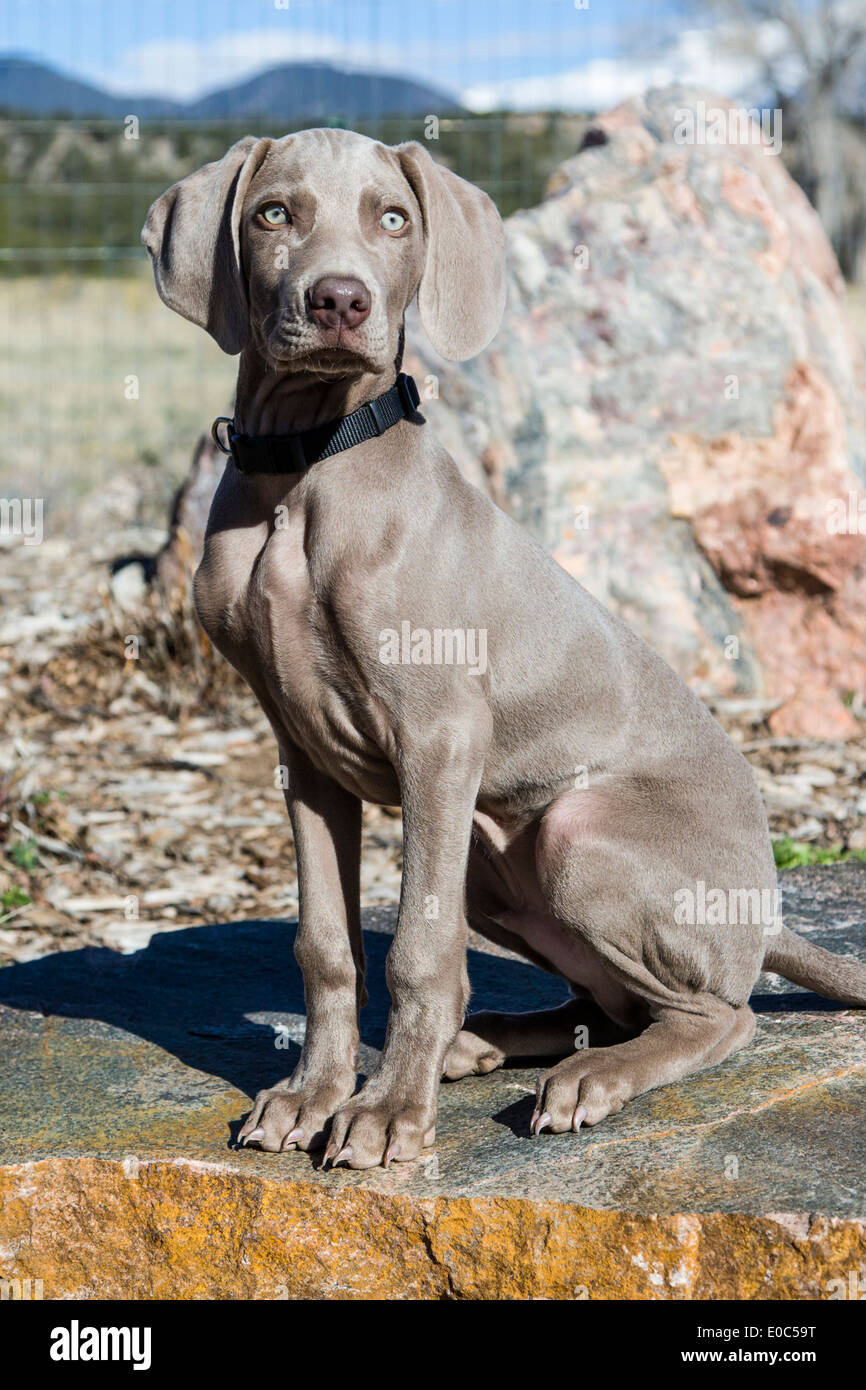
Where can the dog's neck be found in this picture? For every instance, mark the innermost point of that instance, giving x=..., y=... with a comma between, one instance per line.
x=272, y=402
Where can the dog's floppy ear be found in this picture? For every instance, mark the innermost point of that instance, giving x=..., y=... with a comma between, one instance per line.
x=461, y=296
x=193, y=236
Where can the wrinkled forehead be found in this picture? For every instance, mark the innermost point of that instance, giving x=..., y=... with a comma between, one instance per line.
x=335, y=163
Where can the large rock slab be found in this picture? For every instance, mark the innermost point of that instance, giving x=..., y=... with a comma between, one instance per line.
x=676, y=405
x=125, y=1078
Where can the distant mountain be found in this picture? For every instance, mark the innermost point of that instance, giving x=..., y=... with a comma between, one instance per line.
x=31, y=89
x=317, y=89
x=293, y=90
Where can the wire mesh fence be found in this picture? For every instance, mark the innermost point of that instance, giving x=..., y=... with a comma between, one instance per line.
x=90, y=182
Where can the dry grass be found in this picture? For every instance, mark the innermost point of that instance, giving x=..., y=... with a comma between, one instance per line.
x=68, y=346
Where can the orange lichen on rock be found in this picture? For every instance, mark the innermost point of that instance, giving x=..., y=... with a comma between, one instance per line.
x=88, y=1228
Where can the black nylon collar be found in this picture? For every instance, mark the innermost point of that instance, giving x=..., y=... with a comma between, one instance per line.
x=291, y=453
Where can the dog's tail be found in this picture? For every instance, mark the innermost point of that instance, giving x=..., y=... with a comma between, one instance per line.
x=836, y=977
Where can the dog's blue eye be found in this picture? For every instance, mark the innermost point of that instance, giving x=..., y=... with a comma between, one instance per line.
x=275, y=215
x=392, y=221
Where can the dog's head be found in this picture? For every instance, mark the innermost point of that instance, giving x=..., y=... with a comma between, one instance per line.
x=311, y=247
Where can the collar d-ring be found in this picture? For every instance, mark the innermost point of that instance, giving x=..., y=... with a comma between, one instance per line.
x=215, y=432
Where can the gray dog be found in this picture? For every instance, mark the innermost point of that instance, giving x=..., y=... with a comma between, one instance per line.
x=349, y=572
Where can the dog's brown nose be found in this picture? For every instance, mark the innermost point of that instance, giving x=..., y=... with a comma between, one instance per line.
x=338, y=302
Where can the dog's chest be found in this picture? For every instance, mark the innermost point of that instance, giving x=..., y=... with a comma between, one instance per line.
x=257, y=601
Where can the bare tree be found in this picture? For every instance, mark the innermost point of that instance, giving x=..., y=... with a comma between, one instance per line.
x=805, y=51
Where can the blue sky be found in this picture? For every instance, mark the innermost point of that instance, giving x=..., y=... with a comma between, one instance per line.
x=523, y=53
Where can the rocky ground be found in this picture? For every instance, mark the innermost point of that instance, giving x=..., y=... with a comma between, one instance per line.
x=137, y=776
x=137, y=791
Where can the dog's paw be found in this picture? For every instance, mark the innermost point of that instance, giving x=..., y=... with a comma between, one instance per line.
x=470, y=1055
x=285, y=1119
x=581, y=1090
x=365, y=1134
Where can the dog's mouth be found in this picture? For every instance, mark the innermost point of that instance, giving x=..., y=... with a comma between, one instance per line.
x=325, y=353
x=327, y=362
x=291, y=343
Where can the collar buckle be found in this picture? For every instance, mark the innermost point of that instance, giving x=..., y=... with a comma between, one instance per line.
x=409, y=393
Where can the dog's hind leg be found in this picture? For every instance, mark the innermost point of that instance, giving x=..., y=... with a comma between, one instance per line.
x=488, y=1039
x=606, y=875
x=585, y=1088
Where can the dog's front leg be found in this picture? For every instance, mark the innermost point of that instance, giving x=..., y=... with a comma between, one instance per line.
x=326, y=821
x=394, y=1115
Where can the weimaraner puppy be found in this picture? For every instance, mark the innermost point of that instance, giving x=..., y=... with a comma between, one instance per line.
x=562, y=789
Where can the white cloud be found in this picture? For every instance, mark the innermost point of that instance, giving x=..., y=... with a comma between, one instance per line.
x=697, y=58
x=185, y=69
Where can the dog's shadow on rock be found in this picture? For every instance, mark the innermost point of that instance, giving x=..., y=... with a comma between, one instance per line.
x=228, y=999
